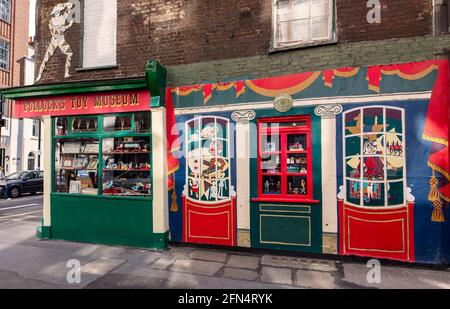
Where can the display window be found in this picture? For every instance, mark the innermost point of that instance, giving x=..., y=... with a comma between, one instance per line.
x=374, y=156
x=285, y=158
x=106, y=155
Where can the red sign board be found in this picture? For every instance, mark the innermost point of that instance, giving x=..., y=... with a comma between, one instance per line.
x=83, y=104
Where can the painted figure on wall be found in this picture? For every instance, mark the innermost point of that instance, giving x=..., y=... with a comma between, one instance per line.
x=60, y=22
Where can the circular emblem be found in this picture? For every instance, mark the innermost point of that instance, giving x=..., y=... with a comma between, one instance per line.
x=283, y=103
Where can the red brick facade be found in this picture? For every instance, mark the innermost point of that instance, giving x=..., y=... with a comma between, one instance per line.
x=177, y=32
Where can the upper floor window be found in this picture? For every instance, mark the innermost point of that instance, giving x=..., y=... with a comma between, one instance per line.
x=35, y=128
x=374, y=154
x=302, y=22
x=99, y=33
x=5, y=10
x=4, y=55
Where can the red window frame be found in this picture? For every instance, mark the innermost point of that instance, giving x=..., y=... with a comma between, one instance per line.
x=283, y=132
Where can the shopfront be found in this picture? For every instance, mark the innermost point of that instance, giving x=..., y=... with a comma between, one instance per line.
x=104, y=170
x=348, y=161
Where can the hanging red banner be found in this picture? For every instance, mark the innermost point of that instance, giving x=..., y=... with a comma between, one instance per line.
x=83, y=104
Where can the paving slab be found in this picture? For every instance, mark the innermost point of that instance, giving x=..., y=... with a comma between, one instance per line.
x=315, y=279
x=100, y=266
x=208, y=256
x=240, y=274
x=301, y=263
x=392, y=277
x=163, y=262
x=196, y=267
x=243, y=261
x=276, y=275
x=179, y=252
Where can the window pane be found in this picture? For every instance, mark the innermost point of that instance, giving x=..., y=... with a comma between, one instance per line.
x=373, y=194
x=373, y=144
x=76, y=163
x=117, y=123
x=61, y=124
x=353, y=168
x=284, y=11
x=394, y=120
x=297, y=163
x=142, y=122
x=271, y=164
x=5, y=10
x=373, y=120
x=297, y=185
x=374, y=168
x=394, y=168
x=320, y=28
x=271, y=184
x=353, y=192
x=296, y=142
x=283, y=32
x=270, y=143
x=301, y=9
x=352, y=146
x=84, y=124
x=394, y=145
x=395, y=193
x=301, y=30
x=4, y=55
x=320, y=8
x=353, y=122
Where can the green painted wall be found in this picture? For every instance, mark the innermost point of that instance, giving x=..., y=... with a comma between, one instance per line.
x=113, y=221
x=287, y=226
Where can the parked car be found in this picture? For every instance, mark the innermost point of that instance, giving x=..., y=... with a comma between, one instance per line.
x=24, y=182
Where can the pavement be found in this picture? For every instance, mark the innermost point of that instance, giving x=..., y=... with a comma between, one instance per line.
x=26, y=262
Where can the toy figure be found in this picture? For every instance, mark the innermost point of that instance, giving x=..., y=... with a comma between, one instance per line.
x=303, y=187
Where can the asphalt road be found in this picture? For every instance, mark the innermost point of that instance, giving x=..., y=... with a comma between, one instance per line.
x=26, y=208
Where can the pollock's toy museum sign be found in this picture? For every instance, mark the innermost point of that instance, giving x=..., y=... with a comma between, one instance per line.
x=96, y=103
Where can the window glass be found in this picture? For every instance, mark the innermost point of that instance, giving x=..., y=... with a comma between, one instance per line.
x=4, y=55
x=84, y=124
x=375, y=159
x=5, y=10
x=302, y=21
x=117, y=123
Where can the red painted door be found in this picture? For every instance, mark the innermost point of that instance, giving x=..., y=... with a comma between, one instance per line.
x=207, y=223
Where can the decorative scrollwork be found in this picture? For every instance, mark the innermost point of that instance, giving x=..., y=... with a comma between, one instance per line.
x=328, y=111
x=240, y=116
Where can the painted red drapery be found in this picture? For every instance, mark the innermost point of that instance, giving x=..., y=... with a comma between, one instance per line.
x=173, y=144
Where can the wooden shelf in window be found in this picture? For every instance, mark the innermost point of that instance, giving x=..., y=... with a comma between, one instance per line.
x=80, y=153
x=296, y=152
x=76, y=169
x=128, y=152
x=126, y=170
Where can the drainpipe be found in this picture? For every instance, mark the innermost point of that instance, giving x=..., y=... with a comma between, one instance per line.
x=39, y=146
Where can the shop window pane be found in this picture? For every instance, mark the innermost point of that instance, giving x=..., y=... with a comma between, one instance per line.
x=395, y=193
x=394, y=145
x=353, y=122
x=373, y=120
x=223, y=189
x=61, y=126
x=193, y=149
x=297, y=163
x=84, y=124
x=374, y=168
x=193, y=130
x=297, y=185
x=270, y=143
x=215, y=147
x=373, y=144
x=209, y=128
x=209, y=190
x=352, y=146
x=373, y=194
x=296, y=142
x=271, y=164
x=394, y=168
x=142, y=122
x=353, y=168
x=222, y=128
x=354, y=192
x=394, y=120
x=117, y=123
x=76, y=166
x=127, y=166
x=271, y=184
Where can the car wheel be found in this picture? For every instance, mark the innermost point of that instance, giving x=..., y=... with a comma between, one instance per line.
x=14, y=192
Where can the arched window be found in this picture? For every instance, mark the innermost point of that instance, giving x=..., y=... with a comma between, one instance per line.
x=31, y=161
x=374, y=156
x=208, y=159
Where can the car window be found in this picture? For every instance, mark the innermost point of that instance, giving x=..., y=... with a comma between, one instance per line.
x=40, y=174
x=31, y=175
x=16, y=176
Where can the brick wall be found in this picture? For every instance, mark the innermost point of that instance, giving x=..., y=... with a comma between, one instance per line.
x=191, y=33
x=19, y=49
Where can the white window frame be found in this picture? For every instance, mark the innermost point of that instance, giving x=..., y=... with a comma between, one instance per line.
x=275, y=45
x=5, y=10
x=4, y=44
x=35, y=125
x=385, y=181
x=85, y=66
